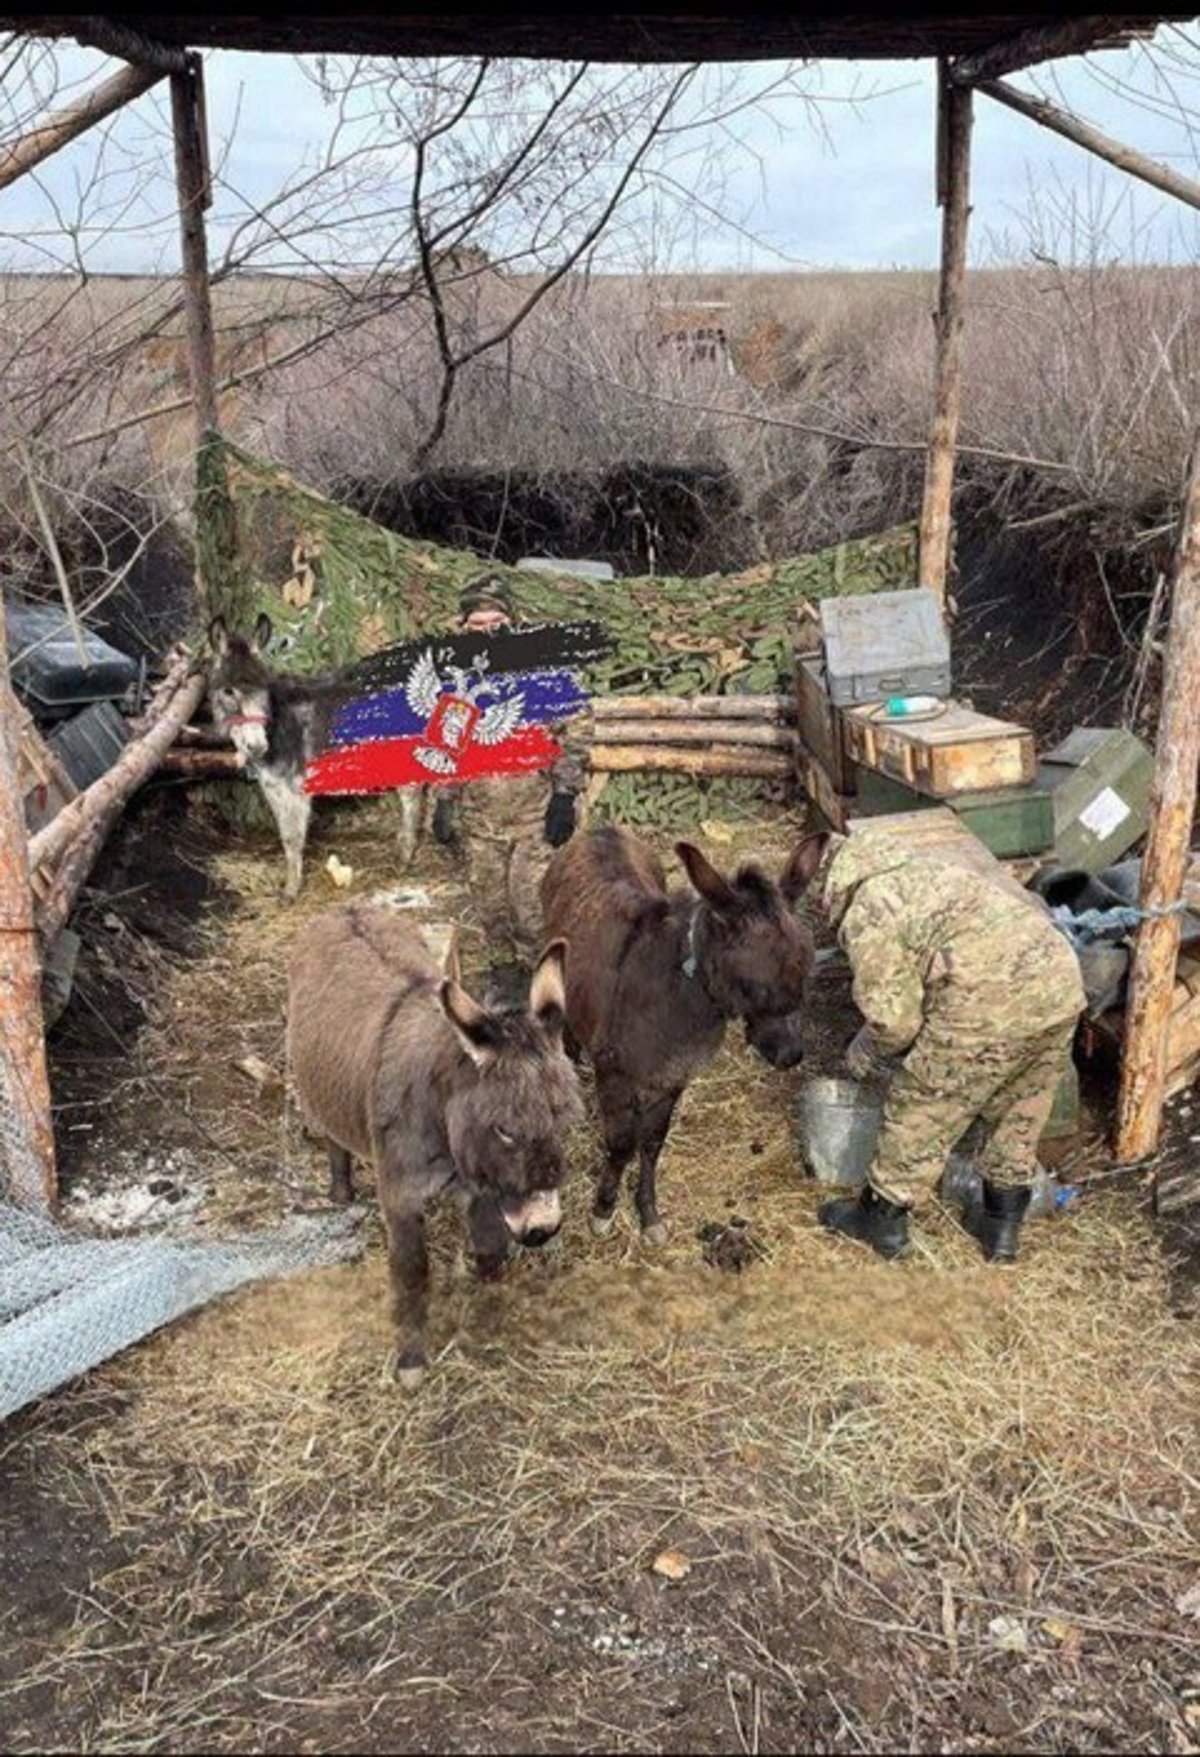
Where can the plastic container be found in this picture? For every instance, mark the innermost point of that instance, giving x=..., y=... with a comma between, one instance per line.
x=962, y=1187
x=839, y=1126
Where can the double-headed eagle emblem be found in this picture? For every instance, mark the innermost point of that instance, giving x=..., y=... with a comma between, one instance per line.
x=454, y=720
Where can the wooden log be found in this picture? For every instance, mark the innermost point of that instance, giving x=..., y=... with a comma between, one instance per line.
x=105, y=800
x=629, y=758
x=27, y=1173
x=1091, y=139
x=687, y=732
x=200, y=763
x=49, y=843
x=694, y=707
x=954, y=180
x=57, y=131
x=194, y=195
x=1172, y=807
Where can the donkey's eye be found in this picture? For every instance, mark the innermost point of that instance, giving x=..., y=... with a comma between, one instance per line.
x=503, y=1135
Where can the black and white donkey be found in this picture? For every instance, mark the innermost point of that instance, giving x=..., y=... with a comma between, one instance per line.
x=277, y=723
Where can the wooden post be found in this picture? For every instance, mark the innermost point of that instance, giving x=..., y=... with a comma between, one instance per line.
x=50, y=136
x=27, y=1171
x=1172, y=807
x=219, y=579
x=954, y=186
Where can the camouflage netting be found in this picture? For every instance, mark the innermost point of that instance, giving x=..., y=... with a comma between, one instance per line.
x=338, y=586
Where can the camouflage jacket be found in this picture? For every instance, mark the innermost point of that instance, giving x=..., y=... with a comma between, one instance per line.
x=518, y=802
x=927, y=937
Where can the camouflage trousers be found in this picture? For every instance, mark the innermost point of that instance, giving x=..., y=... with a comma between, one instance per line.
x=948, y=1081
x=505, y=867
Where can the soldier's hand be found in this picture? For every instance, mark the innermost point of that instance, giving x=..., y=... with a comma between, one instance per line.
x=863, y=1060
x=443, y=820
x=560, y=819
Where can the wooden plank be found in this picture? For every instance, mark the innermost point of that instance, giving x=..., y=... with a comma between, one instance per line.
x=1047, y=42
x=45, y=785
x=1172, y=809
x=941, y=835
x=959, y=751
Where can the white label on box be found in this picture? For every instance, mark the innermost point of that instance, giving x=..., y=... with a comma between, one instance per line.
x=1105, y=814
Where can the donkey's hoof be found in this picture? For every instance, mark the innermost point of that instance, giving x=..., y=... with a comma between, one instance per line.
x=656, y=1235
x=410, y=1379
x=602, y=1224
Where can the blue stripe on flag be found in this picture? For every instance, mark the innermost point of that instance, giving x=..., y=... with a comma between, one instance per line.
x=548, y=696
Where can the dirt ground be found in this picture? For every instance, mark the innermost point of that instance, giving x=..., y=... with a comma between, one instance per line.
x=754, y=1492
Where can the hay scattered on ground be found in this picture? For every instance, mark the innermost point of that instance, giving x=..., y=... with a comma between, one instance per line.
x=925, y=1504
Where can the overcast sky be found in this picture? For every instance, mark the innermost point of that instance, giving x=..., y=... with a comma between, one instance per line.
x=859, y=198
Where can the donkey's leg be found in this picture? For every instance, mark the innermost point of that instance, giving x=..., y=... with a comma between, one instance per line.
x=412, y=817
x=341, y=1184
x=291, y=808
x=490, y=1237
x=654, y=1125
x=408, y=1271
x=618, y=1119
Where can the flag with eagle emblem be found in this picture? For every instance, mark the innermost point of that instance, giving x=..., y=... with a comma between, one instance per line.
x=456, y=708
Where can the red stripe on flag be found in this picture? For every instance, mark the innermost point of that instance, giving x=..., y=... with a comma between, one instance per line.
x=384, y=763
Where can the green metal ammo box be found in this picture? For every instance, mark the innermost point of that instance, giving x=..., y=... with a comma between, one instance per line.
x=1099, y=780
x=1011, y=822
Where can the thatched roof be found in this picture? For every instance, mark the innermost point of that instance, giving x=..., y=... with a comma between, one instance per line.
x=647, y=31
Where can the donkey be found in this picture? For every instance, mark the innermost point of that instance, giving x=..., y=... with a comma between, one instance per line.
x=277, y=724
x=654, y=978
x=395, y=1064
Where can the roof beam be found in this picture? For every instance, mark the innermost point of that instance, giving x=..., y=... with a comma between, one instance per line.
x=1125, y=158
x=106, y=34
x=1076, y=36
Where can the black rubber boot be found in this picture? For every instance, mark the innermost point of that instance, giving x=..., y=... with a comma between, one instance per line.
x=871, y=1219
x=996, y=1220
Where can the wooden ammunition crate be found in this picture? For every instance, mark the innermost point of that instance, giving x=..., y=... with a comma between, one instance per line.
x=819, y=723
x=958, y=751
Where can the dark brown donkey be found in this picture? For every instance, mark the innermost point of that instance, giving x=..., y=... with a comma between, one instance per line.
x=655, y=977
x=395, y=1064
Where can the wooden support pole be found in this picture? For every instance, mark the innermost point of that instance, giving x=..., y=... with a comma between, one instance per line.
x=19, y=156
x=27, y=1173
x=1164, y=866
x=954, y=192
x=218, y=576
x=194, y=195
x=1083, y=134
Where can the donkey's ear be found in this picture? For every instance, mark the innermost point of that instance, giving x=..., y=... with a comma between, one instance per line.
x=262, y=633
x=705, y=877
x=473, y=1025
x=548, y=991
x=218, y=636
x=805, y=858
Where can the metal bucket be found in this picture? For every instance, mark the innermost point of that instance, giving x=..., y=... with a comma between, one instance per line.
x=839, y=1126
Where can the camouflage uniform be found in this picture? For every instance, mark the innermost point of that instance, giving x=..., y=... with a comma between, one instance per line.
x=973, y=984
x=502, y=824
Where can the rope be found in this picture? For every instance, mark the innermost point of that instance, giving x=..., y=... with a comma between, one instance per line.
x=1098, y=924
